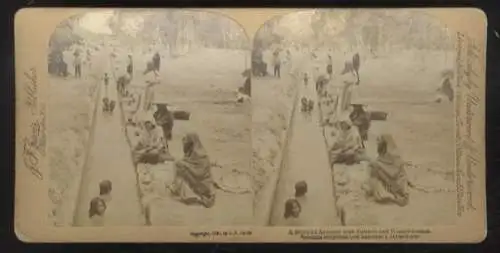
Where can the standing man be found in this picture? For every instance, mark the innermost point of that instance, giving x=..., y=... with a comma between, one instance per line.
x=78, y=64
x=156, y=63
x=277, y=63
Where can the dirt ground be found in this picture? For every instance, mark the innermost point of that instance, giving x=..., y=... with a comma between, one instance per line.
x=272, y=102
x=70, y=108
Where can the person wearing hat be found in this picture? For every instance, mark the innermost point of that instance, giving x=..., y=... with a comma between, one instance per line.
x=164, y=118
x=150, y=148
x=361, y=119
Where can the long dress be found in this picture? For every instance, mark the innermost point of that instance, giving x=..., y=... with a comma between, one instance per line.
x=388, y=179
x=193, y=174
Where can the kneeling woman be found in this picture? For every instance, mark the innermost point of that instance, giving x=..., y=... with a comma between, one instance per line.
x=193, y=174
x=388, y=179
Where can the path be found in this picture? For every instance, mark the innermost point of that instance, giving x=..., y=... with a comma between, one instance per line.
x=306, y=159
x=110, y=159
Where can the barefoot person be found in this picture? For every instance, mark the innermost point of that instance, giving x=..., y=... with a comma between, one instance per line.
x=193, y=181
x=388, y=180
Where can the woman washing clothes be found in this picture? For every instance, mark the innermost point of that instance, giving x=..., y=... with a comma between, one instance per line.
x=347, y=145
x=388, y=179
x=193, y=183
x=150, y=148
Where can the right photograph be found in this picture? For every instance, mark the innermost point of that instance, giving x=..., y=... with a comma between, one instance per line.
x=353, y=119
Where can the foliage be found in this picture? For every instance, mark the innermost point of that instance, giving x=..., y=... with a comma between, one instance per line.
x=62, y=38
x=377, y=30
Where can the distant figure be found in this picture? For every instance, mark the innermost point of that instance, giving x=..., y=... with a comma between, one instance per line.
x=130, y=66
x=108, y=105
x=165, y=120
x=306, y=79
x=356, y=64
x=106, y=79
x=149, y=94
x=347, y=147
x=245, y=91
x=96, y=212
x=106, y=82
x=277, y=63
x=388, y=179
x=193, y=174
x=105, y=188
x=120, y=85
x=156, y=63
x=151, y=148
x=292, y=212
x=446, y=88
x=89, y=58
x=78, y=64
x=349, y=81
x=329, y=67
x=259, y=67
x=300, y=192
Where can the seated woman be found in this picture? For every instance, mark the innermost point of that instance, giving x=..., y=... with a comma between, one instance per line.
x=150, y=148
x=388, y=180
x=347, y=146
x=193, y=174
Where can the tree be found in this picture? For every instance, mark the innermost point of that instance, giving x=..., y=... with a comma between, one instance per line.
x=61, y=39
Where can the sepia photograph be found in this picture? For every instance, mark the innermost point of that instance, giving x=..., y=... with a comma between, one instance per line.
x=358, y=105
x=149, y=119
x=250, y=125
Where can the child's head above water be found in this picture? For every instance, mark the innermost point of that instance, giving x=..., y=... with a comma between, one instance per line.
x=105, y=187
x=300, y=188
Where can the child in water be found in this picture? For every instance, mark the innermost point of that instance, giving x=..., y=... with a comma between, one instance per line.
x=292, y=212
x=96, y=211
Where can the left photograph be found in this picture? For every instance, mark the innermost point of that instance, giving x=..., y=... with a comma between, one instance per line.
x=148, y=120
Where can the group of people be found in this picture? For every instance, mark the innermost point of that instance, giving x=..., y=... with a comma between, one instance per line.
x=346, y=128
x=193, y=181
